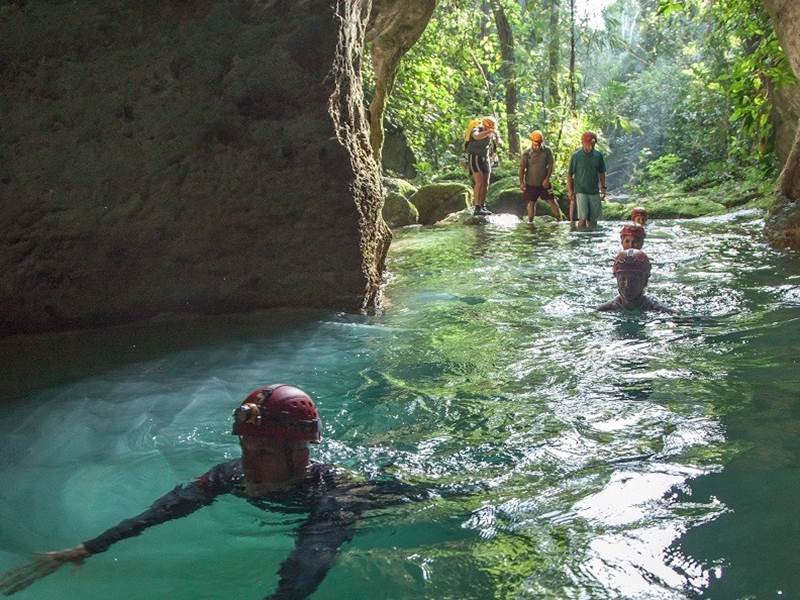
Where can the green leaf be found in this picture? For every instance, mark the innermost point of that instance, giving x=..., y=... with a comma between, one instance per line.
x=668, y=7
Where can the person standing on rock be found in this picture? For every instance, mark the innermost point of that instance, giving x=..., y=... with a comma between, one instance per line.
x=480, y=141
x=586, y=181
x=535, y=169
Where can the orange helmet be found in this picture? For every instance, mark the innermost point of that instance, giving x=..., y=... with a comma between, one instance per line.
x=279, y=411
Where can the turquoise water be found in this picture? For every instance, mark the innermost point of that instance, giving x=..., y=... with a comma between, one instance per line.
x=621, y=456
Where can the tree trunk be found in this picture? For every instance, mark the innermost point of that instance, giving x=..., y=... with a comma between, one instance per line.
x=783, y=223
x=572, y=101
x=554, y=51
x=508, y=73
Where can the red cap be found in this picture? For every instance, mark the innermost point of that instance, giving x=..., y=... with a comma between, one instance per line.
x=279, y=411
x=588, y=137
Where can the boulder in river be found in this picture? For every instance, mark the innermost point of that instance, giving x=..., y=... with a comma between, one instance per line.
x=398, y=212
x=434, y=202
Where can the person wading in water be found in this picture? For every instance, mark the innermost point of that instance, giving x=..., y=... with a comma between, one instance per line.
x=535, y=168
x=586, y=181
x=632, y=270
x=632, y=236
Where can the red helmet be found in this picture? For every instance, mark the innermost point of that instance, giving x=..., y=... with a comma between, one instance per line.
x=632, y=261
x=632, y=229
x=589, y=137
x=638, y=210
x=279, y=411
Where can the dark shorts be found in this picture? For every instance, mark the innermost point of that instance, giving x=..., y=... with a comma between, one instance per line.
x=533, y=192
x=478, y=164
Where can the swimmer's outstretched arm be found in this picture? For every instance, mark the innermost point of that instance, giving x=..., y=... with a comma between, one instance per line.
x=18, y=578
x=329, y=525
x=182, y=501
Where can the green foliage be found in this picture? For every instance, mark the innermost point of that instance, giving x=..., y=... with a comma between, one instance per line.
x=677, y=89
x=744, y=75
x=664, y=167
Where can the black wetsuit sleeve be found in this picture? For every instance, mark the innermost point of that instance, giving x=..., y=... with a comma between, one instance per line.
x=608, y=306
x=180, y=502
x=656, y=306
x=329, y=525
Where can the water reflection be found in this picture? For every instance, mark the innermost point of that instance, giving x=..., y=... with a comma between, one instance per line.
x=601, y=456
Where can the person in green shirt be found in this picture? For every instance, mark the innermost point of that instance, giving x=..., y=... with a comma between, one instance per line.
x=586, y=182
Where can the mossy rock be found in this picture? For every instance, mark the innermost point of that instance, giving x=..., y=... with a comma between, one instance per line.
x=618, y=211
x=462, y=217
x=508, y=201
x=398, y=186
x=762, y=203
x=460, y=175
x=434, y=202
x=399, y=212
x=502, y=174
x=734, y=200
x=498, y=187
x=683, y=208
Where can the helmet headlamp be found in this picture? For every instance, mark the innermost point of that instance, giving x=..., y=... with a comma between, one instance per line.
x=279, y=412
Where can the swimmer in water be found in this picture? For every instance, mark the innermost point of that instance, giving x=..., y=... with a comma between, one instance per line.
x=632, y=270
x=639, y=216
x=274, y=424
x=632, y=236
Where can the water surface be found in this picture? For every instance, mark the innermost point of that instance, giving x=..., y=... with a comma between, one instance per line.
x=618, y=455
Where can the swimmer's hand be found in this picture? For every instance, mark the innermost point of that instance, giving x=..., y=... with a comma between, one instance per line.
x=18, y=578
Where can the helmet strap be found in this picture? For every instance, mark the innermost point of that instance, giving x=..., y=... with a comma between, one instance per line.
x=287, y=452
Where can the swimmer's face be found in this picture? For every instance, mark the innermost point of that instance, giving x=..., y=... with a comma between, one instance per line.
x=264, y=459
x=640, y=219
x=630, y=284
x=629, y=241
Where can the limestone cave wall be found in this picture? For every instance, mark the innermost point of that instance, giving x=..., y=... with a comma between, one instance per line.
x=195, y=156
x=783, y=223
